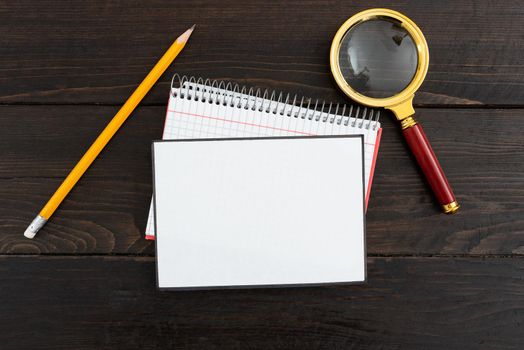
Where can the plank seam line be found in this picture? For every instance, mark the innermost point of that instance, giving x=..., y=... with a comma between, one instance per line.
x=384, y=256
x=95, y=104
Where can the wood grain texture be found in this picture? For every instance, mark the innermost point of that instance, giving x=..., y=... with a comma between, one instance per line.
x=481, y=151
x=452, y=282
x=408, y=303
x=98, y=51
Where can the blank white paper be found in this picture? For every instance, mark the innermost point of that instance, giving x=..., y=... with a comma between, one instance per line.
x=259, y=212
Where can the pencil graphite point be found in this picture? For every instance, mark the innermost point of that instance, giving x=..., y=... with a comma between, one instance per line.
x=185, y=36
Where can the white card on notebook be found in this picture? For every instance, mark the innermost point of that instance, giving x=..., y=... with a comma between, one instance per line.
x=259, y=211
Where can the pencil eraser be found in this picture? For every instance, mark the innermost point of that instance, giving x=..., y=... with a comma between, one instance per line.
x=29, y=233
x=34, y=227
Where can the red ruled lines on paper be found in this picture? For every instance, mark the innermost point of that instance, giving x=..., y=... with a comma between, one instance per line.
x=248, y=124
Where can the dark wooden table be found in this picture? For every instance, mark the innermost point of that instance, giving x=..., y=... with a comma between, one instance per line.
x=88, y=280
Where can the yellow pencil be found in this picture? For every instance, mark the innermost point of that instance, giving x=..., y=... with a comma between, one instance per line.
x=107, y=134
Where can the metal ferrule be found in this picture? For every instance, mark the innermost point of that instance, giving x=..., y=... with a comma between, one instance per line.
x=408, y=122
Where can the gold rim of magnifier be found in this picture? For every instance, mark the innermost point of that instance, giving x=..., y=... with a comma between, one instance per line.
x=422, y=59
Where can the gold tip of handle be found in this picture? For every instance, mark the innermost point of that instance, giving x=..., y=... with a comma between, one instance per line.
x=451, y=208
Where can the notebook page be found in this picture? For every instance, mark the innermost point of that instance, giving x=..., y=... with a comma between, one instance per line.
x=225, y=218
x=190, y=119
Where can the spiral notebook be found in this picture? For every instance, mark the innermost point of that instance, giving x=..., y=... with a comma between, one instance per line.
x=201, y=108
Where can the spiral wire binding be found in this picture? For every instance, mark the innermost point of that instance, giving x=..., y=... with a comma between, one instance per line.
x=234, y=95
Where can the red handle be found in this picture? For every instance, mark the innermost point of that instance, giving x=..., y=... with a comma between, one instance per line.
x=419, y=145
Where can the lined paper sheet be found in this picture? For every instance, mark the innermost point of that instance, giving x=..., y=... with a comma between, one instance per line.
x=190, y=119
x=251, y=212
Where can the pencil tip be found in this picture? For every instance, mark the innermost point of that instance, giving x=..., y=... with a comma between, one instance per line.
x=182, y=39
x=34, y=227
x=28, y=233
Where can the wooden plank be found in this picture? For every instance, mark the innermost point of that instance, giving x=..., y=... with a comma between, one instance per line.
x=481, y=151
x=408, y=303
x=97, y=52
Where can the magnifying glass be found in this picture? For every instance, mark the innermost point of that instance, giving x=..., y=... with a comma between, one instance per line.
x=379, y=58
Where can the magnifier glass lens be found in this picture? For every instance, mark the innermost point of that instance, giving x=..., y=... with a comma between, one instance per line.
x=378, y=58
